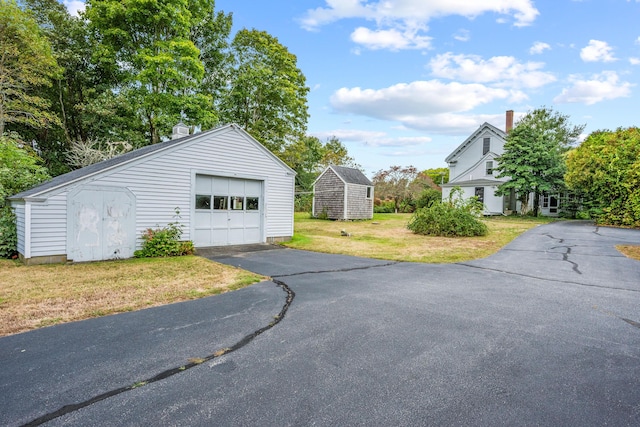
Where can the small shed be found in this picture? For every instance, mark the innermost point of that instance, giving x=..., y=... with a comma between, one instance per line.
x=226, y=186
x=343, y=193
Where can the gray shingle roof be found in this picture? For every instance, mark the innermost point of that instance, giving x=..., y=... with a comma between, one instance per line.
x=351, y=175
x=95, y=168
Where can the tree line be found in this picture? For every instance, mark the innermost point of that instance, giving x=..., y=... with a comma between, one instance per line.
x=77, y=90
x=122, y=74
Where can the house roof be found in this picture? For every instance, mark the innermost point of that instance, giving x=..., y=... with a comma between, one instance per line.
x=351, y=175
x=485, y=126
x=87, y=171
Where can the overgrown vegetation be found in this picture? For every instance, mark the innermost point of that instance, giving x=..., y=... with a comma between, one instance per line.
x=453, y=218
x=605, y=170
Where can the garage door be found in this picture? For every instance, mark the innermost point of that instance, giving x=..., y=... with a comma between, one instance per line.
x=228, y=211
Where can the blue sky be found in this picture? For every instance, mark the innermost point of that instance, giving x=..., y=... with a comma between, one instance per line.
x=404, y=82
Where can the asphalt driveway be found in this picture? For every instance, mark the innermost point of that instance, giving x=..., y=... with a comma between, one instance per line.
x=545, y=332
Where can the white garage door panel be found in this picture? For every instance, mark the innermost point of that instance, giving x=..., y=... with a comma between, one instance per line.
x=223, y=215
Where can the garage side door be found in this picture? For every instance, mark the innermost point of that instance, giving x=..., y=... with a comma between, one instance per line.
x=100, y=224
x=228, y=211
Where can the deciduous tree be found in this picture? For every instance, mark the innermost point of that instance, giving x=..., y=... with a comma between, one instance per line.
x=533, y=158
x=149, y=44
x=267, y=92
x=26, y=64
x=606, y=169
x=397, y=183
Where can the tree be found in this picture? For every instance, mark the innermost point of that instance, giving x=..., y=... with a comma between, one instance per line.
x=267, y=92
x=438, y=175
x=533, y=158
x=26, y=64
x=20, y=169
x=397, y=183
x=606, y=169
x=309, y=157
x=149, y=44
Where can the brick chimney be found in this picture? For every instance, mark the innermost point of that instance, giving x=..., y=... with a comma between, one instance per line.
x=509, y=124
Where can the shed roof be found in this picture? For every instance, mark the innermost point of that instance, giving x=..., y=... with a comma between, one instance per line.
x=95, y=168
x=351, y=175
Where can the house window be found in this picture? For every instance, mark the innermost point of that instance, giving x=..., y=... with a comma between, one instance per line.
x=490, y=168
x=480, y=194
x=486, y=145
x=203, y=201
x=369, y=192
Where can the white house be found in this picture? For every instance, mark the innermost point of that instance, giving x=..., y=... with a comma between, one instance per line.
x=472, y=165
x=226, y=186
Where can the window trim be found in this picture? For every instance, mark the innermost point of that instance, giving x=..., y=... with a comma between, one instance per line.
x=369, y=194
x=489, y=168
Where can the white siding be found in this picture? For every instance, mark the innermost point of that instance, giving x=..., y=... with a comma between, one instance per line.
x=49, y=226
x=18, y=209
x=165, y=180
x=470, y=156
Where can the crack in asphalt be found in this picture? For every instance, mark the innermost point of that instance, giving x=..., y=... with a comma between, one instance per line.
x=631, y=322
x=530, y=276
x=339, y=270
x=67, y=409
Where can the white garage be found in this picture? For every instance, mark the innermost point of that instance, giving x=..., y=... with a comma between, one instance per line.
x=222, y=186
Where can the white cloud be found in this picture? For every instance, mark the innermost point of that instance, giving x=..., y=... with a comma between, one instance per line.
x=600, y=87
x=372, y=138
x=502, y=71
x=74, y=6
x=538, y=48
x=399, y=22
x=462, y=35
x=634, y=61
x=522, y=11
x=421, y=104
x=392, y=39
x=597, y=51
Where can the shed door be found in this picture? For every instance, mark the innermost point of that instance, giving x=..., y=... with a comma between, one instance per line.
x=228, y=211
x=101, y=224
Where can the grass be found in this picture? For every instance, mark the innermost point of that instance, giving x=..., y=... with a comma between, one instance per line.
x=630, y=251
x=386, y=237
x=37, y=296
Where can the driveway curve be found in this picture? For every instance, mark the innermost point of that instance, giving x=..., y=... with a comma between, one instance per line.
x=545, y=332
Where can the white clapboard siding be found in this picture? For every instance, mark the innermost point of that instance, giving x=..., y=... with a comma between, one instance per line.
x=18, y=209
x=49, y=226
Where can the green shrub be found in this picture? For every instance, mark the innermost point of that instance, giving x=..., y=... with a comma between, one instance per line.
x=384, y=206
x=456, y=217
x=8, y=233
x=428, y=197
x=164, y=242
